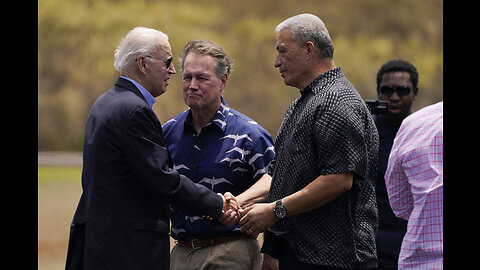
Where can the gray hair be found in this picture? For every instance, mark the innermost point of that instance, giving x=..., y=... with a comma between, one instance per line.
x=308, y=27
x=223, y=63
x=139, y=40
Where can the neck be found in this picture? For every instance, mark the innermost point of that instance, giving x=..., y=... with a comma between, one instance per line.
x=201, y=118
x=321, y=66
x=396, y=120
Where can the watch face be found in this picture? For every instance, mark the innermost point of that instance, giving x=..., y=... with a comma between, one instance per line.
x=280, y=211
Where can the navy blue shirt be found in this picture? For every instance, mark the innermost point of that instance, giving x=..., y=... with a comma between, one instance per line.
x=230, y=154
x=391, y=229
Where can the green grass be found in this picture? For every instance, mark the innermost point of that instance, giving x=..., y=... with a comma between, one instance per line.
x=59, y=189
x=48, y=174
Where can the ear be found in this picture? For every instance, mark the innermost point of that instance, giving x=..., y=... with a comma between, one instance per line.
x=141, y=64
x=310, y=49
x=224, y=80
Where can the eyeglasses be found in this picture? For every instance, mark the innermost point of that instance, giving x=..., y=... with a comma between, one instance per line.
x=167, y=62
x=401, y=90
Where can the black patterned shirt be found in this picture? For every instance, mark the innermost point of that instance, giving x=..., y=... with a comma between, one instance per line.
x=329, y=130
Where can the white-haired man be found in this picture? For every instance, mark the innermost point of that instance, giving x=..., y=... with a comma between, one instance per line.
x=128, y=181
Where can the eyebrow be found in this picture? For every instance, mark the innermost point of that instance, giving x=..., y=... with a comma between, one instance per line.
x=196, y=73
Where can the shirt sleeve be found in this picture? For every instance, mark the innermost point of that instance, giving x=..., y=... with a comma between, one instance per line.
x=261, y=156
x=340, y=139
x=398, y=187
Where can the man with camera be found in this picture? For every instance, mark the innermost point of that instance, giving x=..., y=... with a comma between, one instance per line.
x=397, y=84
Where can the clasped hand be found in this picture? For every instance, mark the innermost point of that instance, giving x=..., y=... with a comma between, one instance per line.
x=230, y=211
x=253, y=219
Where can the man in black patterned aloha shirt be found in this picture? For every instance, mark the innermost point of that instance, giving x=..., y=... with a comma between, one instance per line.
x=317, y=202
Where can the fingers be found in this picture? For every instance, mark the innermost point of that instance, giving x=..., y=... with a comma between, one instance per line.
x=229, y=201
x=248, y=227
x=232, y=200
x=229, y=218
x=257, y=218
x=246, y=224
x=229, y=196
x=252, y=232
x=231, y=212
x=230, y=215
x=243, y=214
x=244, y=211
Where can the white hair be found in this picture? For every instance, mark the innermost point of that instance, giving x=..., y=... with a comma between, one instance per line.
x=308, y=27
x=139, y=40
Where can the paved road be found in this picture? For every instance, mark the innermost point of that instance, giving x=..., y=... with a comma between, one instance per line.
x=60, y=158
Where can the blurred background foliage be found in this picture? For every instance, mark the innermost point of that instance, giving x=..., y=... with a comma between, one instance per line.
x=76, y=41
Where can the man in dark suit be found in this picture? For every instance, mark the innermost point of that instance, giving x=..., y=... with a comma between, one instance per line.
x=122, y=219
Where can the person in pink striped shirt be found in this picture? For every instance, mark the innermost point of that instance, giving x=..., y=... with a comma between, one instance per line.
x=414, y=180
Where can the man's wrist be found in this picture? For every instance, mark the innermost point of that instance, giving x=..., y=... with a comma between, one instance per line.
x=280, y=210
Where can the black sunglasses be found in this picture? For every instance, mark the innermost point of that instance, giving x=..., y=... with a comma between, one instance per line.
x=401, y=90
x=167, y=62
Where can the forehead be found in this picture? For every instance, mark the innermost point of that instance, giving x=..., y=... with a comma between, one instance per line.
x=285, y=39
x=201, y=63
x=163, y=46
x=396, y=78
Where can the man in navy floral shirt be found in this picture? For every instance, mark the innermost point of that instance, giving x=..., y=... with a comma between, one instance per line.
x=214, y=145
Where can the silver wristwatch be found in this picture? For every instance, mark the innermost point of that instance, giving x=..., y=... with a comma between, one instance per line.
x=280, y=210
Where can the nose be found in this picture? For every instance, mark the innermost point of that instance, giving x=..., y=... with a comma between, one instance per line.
x=193, y=84
x=394, y=96
x=171, y=69
x=277, y=63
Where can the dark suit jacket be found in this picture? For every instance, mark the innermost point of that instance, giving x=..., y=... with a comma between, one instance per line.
x=122, y=221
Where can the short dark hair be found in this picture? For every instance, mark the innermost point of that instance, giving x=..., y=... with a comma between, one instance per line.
x=398, y=65
x=223, y=63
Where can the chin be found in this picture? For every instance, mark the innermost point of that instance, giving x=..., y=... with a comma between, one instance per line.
x=287, y=82
x=191, y=104
x=290, y=82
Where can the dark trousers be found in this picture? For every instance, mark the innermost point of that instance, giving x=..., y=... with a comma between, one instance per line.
x=280, y=249
x=387, y=261
x=288, y=261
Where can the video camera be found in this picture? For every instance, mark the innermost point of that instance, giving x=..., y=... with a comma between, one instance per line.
x=377, y=106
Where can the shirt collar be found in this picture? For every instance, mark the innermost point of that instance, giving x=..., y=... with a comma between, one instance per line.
x=220, y=119
x=150, y=99
x=322, y=80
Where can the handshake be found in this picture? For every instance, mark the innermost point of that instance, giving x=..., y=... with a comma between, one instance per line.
x=253, y=219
